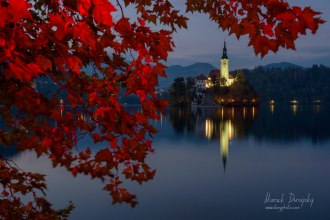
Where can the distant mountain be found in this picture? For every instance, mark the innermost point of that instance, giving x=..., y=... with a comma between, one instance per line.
x=281, y=65
x=193, y=70
x=184, y=71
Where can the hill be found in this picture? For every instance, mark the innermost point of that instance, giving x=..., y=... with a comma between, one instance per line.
x=302, y=84
x=184, y=71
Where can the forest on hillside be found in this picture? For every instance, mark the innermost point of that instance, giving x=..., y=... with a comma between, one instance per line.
x=302, y=84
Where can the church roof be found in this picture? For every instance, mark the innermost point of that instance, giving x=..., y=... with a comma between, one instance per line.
x=214, y=73
x=201, y=77
x=224, y=52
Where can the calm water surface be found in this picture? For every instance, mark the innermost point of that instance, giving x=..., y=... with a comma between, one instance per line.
x=217, y=163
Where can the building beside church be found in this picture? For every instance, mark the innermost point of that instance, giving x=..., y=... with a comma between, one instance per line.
x=201, y=82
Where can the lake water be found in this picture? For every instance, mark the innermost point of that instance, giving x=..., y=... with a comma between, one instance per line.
x=217, y=163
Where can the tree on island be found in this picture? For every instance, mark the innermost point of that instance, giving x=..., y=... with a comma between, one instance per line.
x=238, y=93
x=177, y=92
x=242, y=91
x=57, y=38
x=190, y=86
x=181, y=92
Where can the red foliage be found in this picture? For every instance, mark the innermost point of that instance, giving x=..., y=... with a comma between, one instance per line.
x=57, y=38
x=269, y=24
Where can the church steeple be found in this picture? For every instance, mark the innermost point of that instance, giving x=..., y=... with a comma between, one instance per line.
x=224, y=65
x=224, y=53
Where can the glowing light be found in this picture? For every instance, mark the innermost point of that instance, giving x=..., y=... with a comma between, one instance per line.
x=253, y=112
x=272, y=109
x=61, y=107
x=294, y=101
x=208, y=128
x=224, y=145
x=294, y=109
x=244, y=113
x=294, y=106
x=224, y=141
x=230, y=130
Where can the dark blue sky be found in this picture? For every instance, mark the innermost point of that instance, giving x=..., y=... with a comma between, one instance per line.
x=203, y=42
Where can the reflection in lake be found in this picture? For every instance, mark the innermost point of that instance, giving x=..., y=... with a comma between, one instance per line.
x=221, y=124
x=273, y=148
x=279, y=123
x=225, y=137
x=288, y=123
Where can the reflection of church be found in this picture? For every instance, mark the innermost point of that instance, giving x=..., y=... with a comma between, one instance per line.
x=226, y=124
x=226, y=135
x=223, y=125
x=219, y=125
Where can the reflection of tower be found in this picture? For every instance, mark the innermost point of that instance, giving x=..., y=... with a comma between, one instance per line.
x=226, y=134
x=294, y=109
x=208, y=129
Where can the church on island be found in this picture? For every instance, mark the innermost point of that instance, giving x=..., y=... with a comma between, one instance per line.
x=220, y=77
x=220, y=87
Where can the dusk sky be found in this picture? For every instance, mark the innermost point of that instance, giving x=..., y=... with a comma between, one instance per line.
x=203, y=42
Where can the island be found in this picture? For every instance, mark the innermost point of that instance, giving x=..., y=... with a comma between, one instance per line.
x=218, y=88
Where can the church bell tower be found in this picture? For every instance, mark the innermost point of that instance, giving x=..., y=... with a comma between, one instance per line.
x=224, y=63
